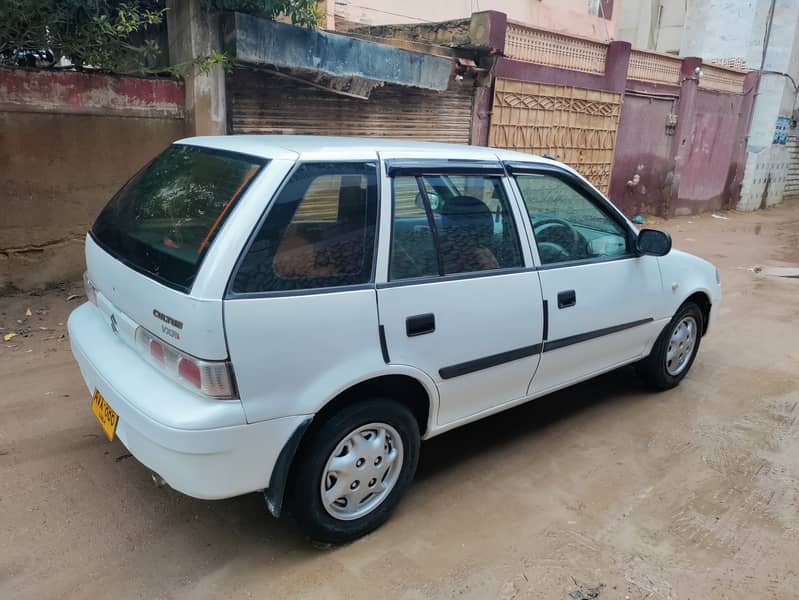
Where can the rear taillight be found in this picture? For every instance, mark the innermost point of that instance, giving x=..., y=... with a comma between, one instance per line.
x=91, y=291
x=211, y=378
x=157, y=351
x=189, y=371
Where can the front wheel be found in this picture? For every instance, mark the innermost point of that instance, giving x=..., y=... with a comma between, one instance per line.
x=353, y=470
x=675, y=349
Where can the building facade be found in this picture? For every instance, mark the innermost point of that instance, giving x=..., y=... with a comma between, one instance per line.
x=593, y=19
x=759, y=35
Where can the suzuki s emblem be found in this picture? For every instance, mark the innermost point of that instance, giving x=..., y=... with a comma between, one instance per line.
x=114, y=327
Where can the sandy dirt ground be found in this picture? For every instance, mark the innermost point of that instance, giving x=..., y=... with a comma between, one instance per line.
x=605, y=490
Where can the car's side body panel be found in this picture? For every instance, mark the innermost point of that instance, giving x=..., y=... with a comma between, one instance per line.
x=486, y=343
x=684, y=275
x=612, y=320
x=290, y=351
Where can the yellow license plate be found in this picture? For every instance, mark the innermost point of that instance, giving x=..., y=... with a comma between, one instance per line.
x=105, y=414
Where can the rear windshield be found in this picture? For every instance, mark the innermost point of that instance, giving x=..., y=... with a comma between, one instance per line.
x=165, y=218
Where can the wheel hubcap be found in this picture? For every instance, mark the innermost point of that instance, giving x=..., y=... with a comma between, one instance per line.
x=681, y=346
x=361, y=471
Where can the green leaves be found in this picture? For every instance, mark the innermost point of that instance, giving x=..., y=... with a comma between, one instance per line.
x=114, y=35
x=301, y=12
x=96, y=33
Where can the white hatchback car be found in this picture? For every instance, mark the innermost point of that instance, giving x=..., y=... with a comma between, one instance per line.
x=293, y=315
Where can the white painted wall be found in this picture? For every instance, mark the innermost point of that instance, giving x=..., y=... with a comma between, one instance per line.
x=766, y=162
x=653, y=24
x=721, y=29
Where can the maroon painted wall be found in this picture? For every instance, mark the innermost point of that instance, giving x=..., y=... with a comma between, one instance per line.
x=695, y=167
x=643, y=148
x=708, y=171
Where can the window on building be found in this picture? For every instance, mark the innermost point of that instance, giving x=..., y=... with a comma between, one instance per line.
x=601, y=8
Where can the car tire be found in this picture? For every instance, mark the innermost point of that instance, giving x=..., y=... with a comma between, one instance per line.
x=675, y=349
x=352, y=470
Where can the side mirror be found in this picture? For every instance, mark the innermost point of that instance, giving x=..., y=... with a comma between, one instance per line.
x=653, y=242
x=435, y=200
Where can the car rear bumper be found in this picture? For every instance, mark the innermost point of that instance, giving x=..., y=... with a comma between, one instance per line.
x=201, y=447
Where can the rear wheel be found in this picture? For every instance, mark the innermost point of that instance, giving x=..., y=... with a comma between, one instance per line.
x=353, y=469
x=675, y=349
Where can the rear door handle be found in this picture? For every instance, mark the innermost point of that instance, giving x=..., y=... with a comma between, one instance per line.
x=567, y=298
x=420, y=324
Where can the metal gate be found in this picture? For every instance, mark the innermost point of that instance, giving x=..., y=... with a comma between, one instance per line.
x=792, y=178
x=575, y=125
x=262, y=102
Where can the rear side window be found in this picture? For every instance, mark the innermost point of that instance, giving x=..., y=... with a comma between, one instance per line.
x=318, y=233
x=163, y=221
x=451, y=224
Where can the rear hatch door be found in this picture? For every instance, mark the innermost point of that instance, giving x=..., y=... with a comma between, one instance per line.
x=146, y=248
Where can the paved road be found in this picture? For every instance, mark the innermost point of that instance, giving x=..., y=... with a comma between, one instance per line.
x=690, y=493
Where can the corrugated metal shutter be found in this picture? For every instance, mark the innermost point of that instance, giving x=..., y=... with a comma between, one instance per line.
x=261, y=102
x=792, y=178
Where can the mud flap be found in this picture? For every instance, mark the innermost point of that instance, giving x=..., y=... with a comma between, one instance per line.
x=276, y=491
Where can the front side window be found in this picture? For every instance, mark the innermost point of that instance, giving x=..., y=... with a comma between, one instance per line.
x=451, y=224
x=567, y=225
x=164, y=219
x=319, y=232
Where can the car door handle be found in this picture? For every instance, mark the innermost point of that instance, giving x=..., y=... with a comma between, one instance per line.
x=420, y=324
x=567, y=298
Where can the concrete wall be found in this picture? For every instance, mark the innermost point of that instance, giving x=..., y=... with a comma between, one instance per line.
x=68, y=141
x=722, y=29
x=568, y=16
x=193, y=34
x=767, y=162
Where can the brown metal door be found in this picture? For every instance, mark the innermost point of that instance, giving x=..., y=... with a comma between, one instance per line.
x=261, y=102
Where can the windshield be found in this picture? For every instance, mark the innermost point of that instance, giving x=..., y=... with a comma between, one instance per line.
x=165, y=218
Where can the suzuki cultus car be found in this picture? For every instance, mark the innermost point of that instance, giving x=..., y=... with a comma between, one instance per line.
x=292, y=315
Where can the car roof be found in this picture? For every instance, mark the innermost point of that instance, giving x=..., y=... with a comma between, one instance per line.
x=313, y=147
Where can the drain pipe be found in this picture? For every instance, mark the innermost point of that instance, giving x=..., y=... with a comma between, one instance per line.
x=767, y=37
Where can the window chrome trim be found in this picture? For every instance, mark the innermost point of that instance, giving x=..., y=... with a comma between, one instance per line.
x=455, y=277
x=405, y=166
